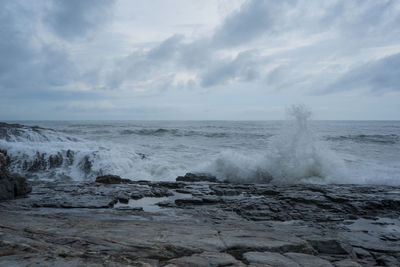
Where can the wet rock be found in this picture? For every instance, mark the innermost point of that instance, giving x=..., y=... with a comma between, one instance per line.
x=55, y=160
x=127, y=208
x=240, y=241
x=255, y=224
x=159, y=192
x=189, y=201
x=39, y=163
x=85, y=165
x=361, y=253
x=12, y=185
x=200, y=177
x=123, y=198
x=269, y=258
x=111, y=179
x=387, y=260
x=308, y=260
x=329, y=246
x=206, y=259
x=346, y=263
x=227, y=190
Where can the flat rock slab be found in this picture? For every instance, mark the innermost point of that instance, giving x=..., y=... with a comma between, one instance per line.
x=269, y=258
x=206, y=259
x=308, y=260
x=201, y=224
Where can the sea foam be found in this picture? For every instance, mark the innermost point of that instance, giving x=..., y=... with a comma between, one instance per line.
x=293, y=156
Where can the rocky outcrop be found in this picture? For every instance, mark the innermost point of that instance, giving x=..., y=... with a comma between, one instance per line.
x=200, y=177
x=111, y=179
x=12, y=185
x=144, y=223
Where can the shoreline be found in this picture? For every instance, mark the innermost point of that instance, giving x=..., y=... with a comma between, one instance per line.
x=201, y=223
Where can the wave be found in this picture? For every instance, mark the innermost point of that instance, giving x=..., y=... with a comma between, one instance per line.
x=366, y=138
x=41, y=152
x=174, y=132
x=159, y=131
x=293, y=156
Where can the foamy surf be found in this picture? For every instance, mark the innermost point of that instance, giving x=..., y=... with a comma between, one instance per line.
x=298, y=150
x=294, y=155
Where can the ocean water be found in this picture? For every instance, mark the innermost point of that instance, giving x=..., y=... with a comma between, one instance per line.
x=293, y=151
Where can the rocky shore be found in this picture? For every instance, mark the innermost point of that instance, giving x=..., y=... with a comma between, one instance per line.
x=198, y=221
x=12, y=185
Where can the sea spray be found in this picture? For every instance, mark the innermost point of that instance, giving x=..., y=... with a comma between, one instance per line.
x=50, y=155
x=291, y=151
x=292, y=156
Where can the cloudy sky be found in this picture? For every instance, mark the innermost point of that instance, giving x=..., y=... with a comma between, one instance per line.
x=192, y=59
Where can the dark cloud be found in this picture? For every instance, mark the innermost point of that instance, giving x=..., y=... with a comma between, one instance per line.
x=379, y=76
x=254, y=19
x=26, y=63
x=76, y=18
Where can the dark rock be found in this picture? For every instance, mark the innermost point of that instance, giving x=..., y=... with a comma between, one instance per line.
x=387, y=260
x=200, y=177
x=308, y=260
x=12, y=185
x=328, y=246
x=39, y=164
x=189, y=201
x=86, y=165
x=123, y=198
x=206, y=259
x=346, y=263
x=111, y=179
x=55, y=160
x=269, y=259
x=259, y=225
x=159, y=192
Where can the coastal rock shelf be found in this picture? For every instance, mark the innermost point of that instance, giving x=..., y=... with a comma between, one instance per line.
x=116, y=222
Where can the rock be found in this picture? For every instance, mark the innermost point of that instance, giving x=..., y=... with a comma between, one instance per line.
x=252, y=223
x=123, y=198
x=328, y=246
x=200, y=177
x=12, y=185
x=240, y=241
x=387, y=260
x=206, y=259
x=346, y=263
x=55, y=160
x=269, y=258
x=308, y=260
x=111, y=179
x=362, y=253
x=189, y=201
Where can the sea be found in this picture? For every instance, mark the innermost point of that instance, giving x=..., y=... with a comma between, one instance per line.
x=296, y=150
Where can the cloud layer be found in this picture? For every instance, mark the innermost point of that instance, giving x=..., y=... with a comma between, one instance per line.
x=76, y=51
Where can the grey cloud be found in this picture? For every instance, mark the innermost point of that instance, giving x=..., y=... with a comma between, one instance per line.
x=362, y=18
x=259, y=18
x=28, y=64
x=167, y=49
x=244, y=67
x=379, y=76
x=171, y=55
x=70, y=19
x=254, y=18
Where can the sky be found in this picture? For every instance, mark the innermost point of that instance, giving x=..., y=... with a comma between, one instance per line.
x=199, y=60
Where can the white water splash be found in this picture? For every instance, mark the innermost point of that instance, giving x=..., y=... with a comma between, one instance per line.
x=293, y=156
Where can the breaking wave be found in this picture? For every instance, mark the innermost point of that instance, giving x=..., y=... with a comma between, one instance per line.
x=293, y=156
x=49, y=154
